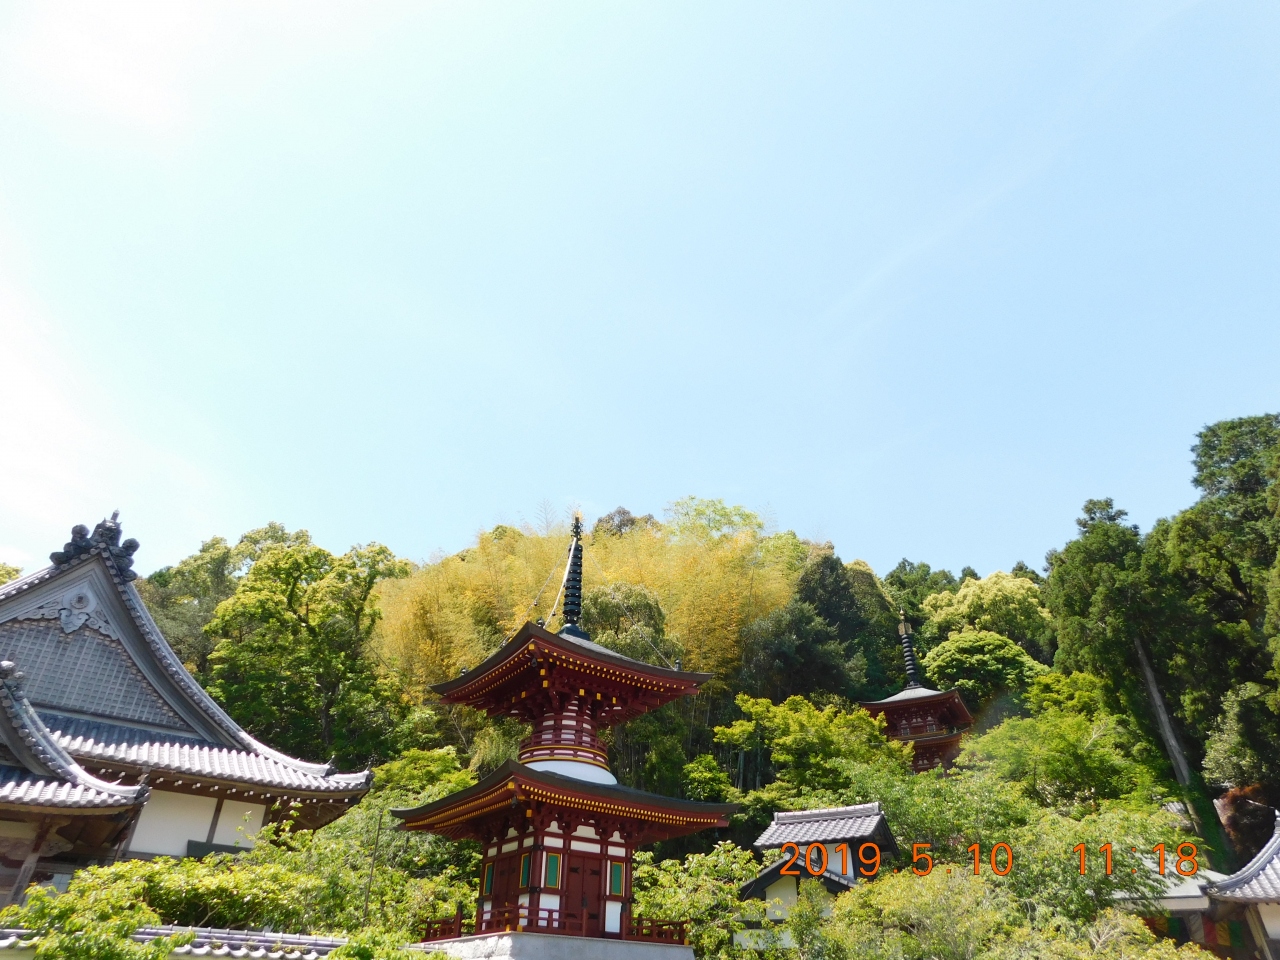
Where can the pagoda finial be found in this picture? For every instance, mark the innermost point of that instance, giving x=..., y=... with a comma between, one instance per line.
x=908, y=650
x=573, y=582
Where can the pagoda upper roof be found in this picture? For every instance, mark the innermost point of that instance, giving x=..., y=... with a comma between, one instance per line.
x=514, y=782
x=105, y=682
x=512, y=667
x=920, y=695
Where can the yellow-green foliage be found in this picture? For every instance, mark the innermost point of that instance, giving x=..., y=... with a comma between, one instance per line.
x=959, y=916
x=1000, y=603
x=712, y=568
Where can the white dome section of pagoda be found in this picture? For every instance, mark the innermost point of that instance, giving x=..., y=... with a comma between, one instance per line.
x=576, y=769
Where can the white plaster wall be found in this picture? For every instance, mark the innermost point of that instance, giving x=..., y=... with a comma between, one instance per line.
x=1270, y=914
x=239, y=823
x=169, y=820
x=784, y=889
x=612, y=916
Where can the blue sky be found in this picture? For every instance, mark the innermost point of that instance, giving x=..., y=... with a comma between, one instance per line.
x=915, y=278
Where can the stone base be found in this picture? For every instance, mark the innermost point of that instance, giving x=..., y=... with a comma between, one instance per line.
x=550, y=946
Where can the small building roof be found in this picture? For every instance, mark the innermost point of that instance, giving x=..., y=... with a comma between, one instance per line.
x=514, y=784
x=863, y=822
x=1258, y=881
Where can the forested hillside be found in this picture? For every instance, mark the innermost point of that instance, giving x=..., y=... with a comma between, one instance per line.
x=1120, y=689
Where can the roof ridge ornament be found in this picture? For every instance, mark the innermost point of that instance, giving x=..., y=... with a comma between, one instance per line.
x=908, y=651
x=572, y=589
x=106, y=539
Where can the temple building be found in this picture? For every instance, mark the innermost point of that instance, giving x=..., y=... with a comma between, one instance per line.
x=932, y=721
x=1245, y=915
x=109, y=748
x=558, y=831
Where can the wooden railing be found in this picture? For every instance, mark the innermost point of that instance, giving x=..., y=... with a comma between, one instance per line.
x=666, y=931
x=446, y=929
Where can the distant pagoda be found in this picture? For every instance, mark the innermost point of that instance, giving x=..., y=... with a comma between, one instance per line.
x=932, y=721
x=558, y=830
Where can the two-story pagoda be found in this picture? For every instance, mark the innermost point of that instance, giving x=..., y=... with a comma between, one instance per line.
x=558, y=830
x=932, y=721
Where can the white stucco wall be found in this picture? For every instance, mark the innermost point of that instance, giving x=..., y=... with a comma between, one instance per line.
x=169, y=820
x=783, y=889
x=1270, y=915
x=238, y=823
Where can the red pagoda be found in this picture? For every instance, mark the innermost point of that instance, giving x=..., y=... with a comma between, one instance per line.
x=557, y=828
x=932, y=721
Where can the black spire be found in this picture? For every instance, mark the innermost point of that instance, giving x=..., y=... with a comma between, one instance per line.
x=573, y=583
x=908, y=651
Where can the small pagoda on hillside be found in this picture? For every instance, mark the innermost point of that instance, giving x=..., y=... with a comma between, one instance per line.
x=557, y=829
x=932, y=721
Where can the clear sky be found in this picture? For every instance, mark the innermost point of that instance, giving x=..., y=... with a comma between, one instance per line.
x=918, y=278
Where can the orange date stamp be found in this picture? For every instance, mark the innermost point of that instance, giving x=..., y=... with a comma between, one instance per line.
x=815, y=859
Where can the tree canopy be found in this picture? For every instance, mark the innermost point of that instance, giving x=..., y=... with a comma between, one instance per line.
x=1137, y=679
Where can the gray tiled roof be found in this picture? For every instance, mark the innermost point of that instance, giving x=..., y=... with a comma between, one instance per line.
x=822, y=826
x=1258, y=880
x=103, y=731
x=41, y=773
x=98, y=740
x=18, y=787
x=214, y=763
x=210, y=942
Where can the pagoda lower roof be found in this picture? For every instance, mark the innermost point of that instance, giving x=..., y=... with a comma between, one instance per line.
x=513, y=784
x=513, y=667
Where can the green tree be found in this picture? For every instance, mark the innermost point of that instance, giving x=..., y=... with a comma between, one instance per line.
x=852, y=600
x=1111, y=603
x=702, y=888
x=910, y=583
x=629, y=619
x=981, y=665
x=804, y=742
x=1241, y=749
x=794, y=651
x=703, y=520
x=182, y=598
x=93, y=920
x=704, y=780
x=8, y=573
x=1000, y=603
x=292, y=663
x=1065, y=761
